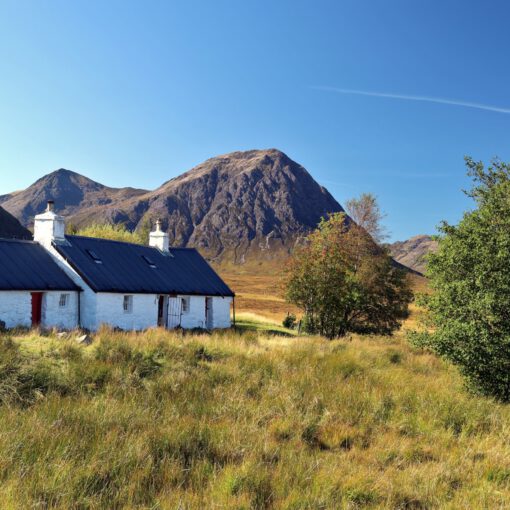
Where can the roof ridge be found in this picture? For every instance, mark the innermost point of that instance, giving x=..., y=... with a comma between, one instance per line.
x=109, y=240
x=16, y=240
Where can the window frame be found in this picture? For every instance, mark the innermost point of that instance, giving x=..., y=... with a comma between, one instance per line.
x=127, y=303
x=63, y=300
x=185, y=304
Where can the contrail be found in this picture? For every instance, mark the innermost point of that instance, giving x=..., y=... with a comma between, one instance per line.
x=426, y=99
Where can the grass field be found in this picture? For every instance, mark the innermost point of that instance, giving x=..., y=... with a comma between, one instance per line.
x=255, y=418
x=259, y=294
x=243, y=419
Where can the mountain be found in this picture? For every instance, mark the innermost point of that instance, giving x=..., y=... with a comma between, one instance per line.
x=412, y=253
x=244, y=205
x=71, y=192
x=10, y=227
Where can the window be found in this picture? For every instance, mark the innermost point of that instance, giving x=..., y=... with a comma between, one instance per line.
x=128, y=304
x=185, y=304
x=94, y=256
x=63, y=301
x=149, y=261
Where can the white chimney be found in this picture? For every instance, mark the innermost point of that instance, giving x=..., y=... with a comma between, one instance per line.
x=49, y=226
x=159, y=239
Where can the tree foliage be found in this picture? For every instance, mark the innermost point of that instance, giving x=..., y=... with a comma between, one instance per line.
x=115, y=232
x=344, y=281
x=366, y=213
x=469, y=310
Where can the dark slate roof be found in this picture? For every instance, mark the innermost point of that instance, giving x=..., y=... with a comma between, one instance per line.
x=25, y=265
x=121, y=267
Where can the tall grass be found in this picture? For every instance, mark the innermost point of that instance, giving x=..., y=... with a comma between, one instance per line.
x=232, y=420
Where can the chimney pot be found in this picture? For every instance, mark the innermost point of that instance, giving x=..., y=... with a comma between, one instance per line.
x=48, y=226
x=159, y=239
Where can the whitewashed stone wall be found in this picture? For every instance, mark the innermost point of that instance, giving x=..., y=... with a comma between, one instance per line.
x=221, y=312
x=88, y=298
x=16, y=308
x=110, y=311
x=54, y=316
x=195, y=317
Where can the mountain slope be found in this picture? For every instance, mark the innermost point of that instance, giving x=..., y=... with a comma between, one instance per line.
x=71, y=192
x=412, y=253
x=240, y=204
x=10, y=227
x=256, y=204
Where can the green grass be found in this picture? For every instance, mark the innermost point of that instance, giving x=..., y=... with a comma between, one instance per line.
x=247, y=321
x=243, y=420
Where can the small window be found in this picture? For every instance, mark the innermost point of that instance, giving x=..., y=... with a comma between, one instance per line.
x=63, y=301
x=94, y=256
x=185, y=304
x=149, y=261
x=128, y=304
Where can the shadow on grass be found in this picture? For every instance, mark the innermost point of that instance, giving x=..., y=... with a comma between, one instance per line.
x=271, y=329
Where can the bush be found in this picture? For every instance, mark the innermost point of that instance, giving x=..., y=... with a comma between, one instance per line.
x=290, y=321
x=470, y=276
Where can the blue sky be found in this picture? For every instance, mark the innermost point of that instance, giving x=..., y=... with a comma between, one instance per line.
x=133, y=93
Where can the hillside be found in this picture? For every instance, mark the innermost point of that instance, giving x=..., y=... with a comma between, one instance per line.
x=412, y=253
x=243, y=420
x=11, y=227
x=244, y=205
x=71, y=192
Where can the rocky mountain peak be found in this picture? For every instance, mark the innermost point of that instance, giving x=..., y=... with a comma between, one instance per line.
x=247, y=204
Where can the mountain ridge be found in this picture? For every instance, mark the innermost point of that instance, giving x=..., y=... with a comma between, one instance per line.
x=234, y=206
x=11, y=228
x=413, y=251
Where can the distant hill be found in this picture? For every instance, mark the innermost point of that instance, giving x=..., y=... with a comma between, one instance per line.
x=71, y=192
x=412, y=253
x=244, y=205
x=10, y=227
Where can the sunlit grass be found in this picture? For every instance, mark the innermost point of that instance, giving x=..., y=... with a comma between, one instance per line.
x=243, y=419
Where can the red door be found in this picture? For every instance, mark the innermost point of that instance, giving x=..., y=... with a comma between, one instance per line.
x=36, y=308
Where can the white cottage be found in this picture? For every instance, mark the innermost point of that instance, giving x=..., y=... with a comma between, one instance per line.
x=100, y=281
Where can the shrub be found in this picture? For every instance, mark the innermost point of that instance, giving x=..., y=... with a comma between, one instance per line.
x=470, y=276
x=290, y=321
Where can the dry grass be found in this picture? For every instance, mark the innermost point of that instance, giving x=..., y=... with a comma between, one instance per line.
x=243, y=420
x=259, y=294
x=258, y=418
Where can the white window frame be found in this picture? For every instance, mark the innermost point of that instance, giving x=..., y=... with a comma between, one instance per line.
x=127, y=304
x=63, y=301
x=185, y=304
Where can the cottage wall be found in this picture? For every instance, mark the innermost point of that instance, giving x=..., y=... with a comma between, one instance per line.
x=88, y=298
x=16, y=309
x=195, y=317
x=221, y=312
x=110, y=311
x=54, y=316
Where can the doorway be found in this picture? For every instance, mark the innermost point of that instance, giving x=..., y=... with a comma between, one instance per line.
x=163, y=311
x=208, y=313
x=36, y=308
x=174, y=312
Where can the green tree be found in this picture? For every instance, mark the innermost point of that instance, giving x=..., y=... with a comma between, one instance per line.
x=343, y=281
x=469, y=309
x=115, y=232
